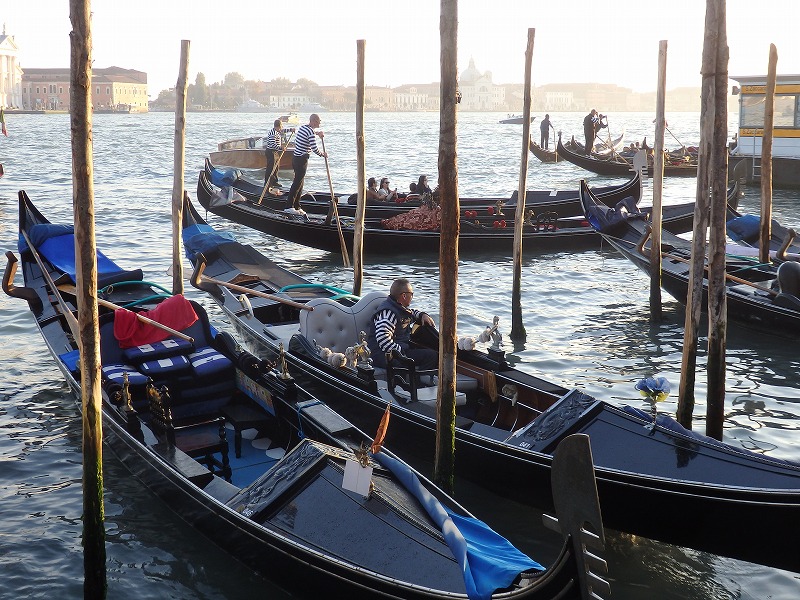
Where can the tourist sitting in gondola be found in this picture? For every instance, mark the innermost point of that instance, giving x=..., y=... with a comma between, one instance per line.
x=372, y=191
x=421, y=186
x=386, y=194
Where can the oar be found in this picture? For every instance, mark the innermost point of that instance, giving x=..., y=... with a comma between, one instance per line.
x=197, y=274
x=641, y=249
x=274, y=168
x=727, y=275
x=345, y=254
x=72, y=322
x=70, y=289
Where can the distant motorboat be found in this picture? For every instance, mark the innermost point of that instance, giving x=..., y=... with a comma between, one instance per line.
x=313, y=107
x=514, y=120
x=291, y=119
x=252, y=106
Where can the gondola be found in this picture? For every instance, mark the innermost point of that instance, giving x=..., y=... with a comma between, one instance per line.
x=543, y=231
x=752, y=289
x=282, y=502
x=551, y=156
x=663, y=482
x=544, y=155
x=617, y=166
x=563, y=203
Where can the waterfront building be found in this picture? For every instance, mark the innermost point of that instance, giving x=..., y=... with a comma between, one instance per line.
x=478, y=92
x=378, y=98
x=10, y=72
x=113, y=89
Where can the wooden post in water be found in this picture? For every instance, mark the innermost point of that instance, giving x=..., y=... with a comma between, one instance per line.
x=697, y=268
x=765, y=233
x=179, y=160
x=517, y=327
x=94, y=549
x=717, y=298
x=358, y=226
x=658, y=185
x=448, y=247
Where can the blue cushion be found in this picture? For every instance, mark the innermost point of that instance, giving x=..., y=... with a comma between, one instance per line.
x=116, y=373
x=207, y=361
x=164, y=366
x=157, y=350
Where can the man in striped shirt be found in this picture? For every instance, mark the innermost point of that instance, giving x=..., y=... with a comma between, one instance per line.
x=273, y=143
x=390, y=330
x=304, y=144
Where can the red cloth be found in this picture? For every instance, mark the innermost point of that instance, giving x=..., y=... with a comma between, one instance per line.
x=418, y=219
x=175, y=312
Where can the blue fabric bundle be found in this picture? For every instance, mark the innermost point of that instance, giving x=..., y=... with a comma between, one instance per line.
x=744, y=228
x=488, y=560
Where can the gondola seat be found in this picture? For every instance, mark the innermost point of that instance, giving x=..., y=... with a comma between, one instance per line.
x=335, y=326
x=199, y=377
x=201, y=439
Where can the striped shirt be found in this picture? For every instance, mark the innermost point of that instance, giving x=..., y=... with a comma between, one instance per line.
x=305, y=142
x=273, y=140
x=385, y=323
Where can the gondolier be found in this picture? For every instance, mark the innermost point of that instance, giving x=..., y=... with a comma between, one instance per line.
x=390, y=329
x=592, y=123
x=273, y=144
x=304, y=144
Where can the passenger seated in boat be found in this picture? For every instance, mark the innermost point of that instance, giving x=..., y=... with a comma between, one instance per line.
x=422, y=186
x=390, y=329
x=372, y=191
x=388, y=195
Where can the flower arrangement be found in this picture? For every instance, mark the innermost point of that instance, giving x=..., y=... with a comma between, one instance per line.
x=655, y=389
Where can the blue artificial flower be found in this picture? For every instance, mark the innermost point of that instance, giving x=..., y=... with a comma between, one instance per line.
x=654, y=388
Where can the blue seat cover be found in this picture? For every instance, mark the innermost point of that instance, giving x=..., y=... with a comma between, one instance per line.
x=207, y=361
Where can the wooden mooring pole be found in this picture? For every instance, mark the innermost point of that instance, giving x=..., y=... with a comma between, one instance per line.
x=444, y=462
x=358, y=226
x=658, y=184
x=717, y=298
x=179, y=159
x=765, y=230
x=94, y=549
x=518, y=333
x=694, y=297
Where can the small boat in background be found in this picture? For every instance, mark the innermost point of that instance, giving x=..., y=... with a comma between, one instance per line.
x=247, y=153
x=514, y=120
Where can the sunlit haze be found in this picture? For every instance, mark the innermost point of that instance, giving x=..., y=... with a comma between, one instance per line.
x=576, y=41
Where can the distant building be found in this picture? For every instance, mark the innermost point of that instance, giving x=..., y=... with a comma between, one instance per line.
x=10, y=72
x=478, y=92
x=409, y=97
x=378, y=98
x=113, y=88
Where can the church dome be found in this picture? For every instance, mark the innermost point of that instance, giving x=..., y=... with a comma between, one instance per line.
x=470, y=73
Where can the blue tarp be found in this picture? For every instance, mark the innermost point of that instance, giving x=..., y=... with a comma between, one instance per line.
x=57, y=244
x=488, y=560
x=224, y=177
x=744, y=228
x=203, y=239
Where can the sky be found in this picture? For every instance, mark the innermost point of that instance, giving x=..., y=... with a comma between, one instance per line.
x=575, y=40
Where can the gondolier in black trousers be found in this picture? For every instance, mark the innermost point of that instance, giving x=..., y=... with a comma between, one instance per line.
x=592, y=123
x=273, y=144
x=304, y=144
x=545, y=126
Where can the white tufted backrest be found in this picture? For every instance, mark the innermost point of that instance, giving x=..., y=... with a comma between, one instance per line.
x=335, y=326
x=365, y=308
